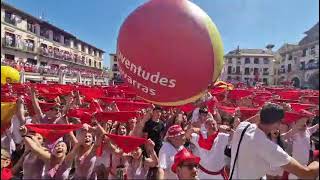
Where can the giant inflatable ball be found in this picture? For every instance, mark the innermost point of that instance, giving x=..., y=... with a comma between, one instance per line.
x=9, y=75
x=169, y=51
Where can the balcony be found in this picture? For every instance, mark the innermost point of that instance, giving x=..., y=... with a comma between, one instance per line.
x=10, y=20
x=265, y=73
x=22, y=46
x=61, y=56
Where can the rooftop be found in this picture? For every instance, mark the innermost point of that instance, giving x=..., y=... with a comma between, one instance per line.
x=250, y=52
x=311, y=35
x=43, y=22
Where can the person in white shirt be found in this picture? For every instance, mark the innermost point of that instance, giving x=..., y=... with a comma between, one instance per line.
x=257, y=153
x=211, y=150
x=301, y=143
x=175, y=139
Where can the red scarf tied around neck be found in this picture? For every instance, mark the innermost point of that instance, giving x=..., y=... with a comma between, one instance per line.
x=207, y=143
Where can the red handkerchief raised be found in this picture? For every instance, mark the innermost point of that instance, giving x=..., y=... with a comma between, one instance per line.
x=292, y=95
x=299, y=106
x=126, y=143
x=52, y=132
x=248, y=112
x=132, y=106
x=122, y=116
x=290, y=117
x=239, y=94
x=227, y=109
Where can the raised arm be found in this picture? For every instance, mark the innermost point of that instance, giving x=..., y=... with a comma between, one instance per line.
x=153, y=160
x=20, y=111
x=35, y=103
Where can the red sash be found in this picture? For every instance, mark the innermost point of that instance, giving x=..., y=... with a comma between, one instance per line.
x=207, y=143
x=222, y=172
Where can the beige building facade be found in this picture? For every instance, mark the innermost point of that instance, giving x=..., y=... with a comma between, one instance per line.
x=300, y=62
x=250, y=66
x=26, y=39
x=114, y=69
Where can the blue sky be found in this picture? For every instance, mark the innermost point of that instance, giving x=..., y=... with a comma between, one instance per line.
x=247, y=23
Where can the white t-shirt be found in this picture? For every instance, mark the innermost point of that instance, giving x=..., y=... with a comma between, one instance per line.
x=166, y=159
x=213, y=159
x=257, y=153
x=300, y=148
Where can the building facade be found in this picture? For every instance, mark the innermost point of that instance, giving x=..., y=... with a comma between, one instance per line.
x=300, y=62
x=250, y=66
x=115, y=75
x=44, y=51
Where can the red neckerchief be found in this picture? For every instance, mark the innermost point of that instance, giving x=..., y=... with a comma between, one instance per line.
x=207, y=143
x=6, y=173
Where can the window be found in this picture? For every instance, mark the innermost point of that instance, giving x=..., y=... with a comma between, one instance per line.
x=247, y=60
x=238, y=70
x=312, y=50
x=289, y=57
x=229, y=78
x=32, y=61
x=29, y=45
x=9, y=57
x=82, y=47
x=10, y=40
x=238, y=61
x=256, y=61
x=229, y=69
x=31, y=27
x=304, y=52
x=265, y=81
x=89, y=62
x=95, y=64
x=44, y=32
x=67, y=42
x=115, y=59
x=289, y=67
x=247, y=71
x=75, y=45
x=230, y=61
x=56, y=37
x=266, y=61
x=10, y=18
x=265, y=71
x=256, y=71
x=43, y=63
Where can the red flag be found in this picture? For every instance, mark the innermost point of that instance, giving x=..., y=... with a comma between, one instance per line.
x=122, y=116
x=187, y=107
x=126, y=143
x=52, y=132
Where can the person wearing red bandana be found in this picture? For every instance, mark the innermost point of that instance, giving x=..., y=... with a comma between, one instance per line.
x=174, y=141
x=186, y=165
x=6, y=173
x=211, y=150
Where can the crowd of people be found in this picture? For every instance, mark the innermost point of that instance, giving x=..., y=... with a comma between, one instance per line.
x=107, y=132
x=52, y=70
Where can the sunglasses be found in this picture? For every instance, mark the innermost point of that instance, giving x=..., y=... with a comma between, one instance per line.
x=190, y=166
